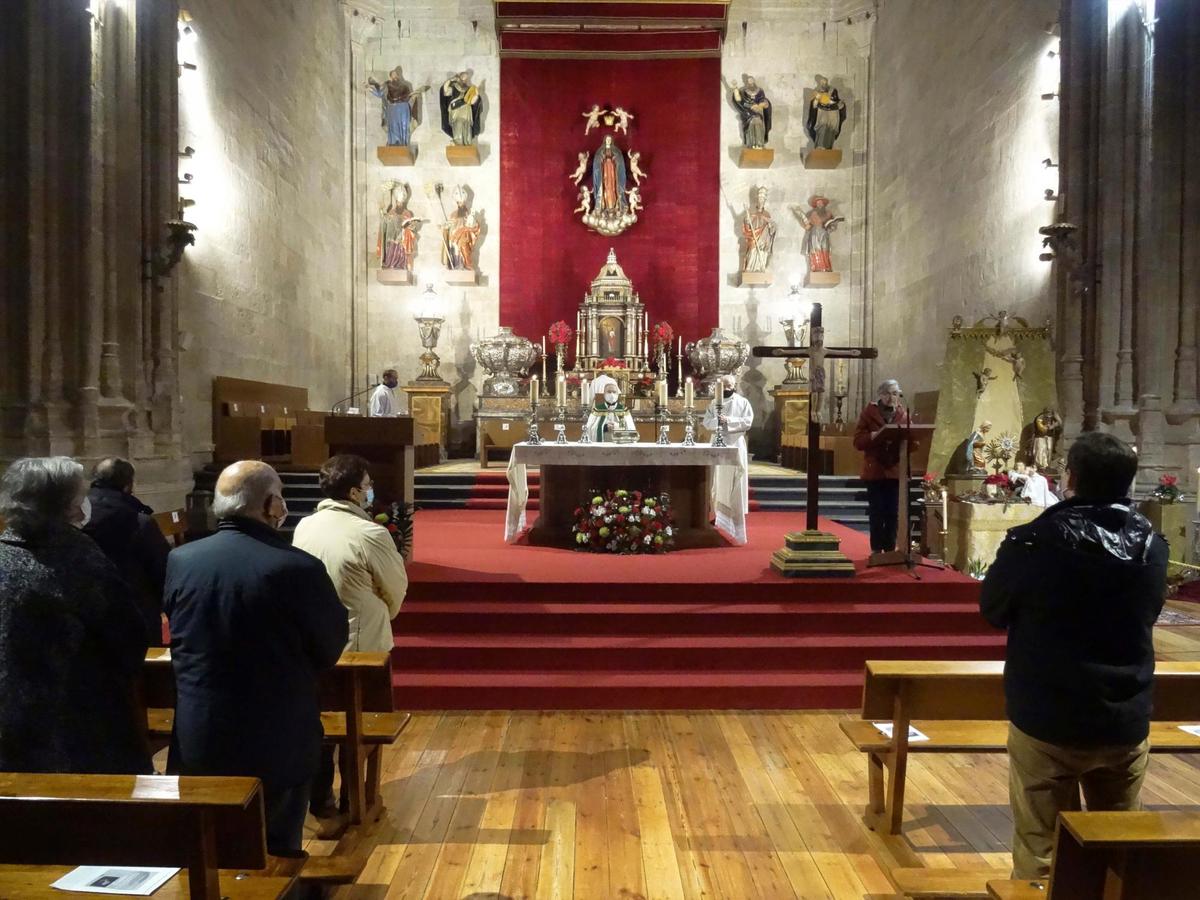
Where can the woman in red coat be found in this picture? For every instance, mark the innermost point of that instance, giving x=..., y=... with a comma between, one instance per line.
x=881, y=462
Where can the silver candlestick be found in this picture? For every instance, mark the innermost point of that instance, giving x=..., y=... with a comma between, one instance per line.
x=533, y=437
x=561, y=425
x=689, y=429
x=718, y=439
x=584, y=437
x=664, y=430
x=679, y=374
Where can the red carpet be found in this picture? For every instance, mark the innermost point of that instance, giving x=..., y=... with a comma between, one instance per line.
x=490, y=625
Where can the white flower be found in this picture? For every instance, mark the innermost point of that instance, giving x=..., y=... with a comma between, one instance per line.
x=668, y=530
x=608, y=520
x=647, y=539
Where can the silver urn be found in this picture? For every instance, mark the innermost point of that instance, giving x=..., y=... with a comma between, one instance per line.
x=506, y=357
x=713, y=356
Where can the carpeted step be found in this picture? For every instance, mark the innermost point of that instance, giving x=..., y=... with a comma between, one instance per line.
x=650, y=651
x=699, y=689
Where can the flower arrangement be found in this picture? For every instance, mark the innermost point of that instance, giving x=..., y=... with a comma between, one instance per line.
x=1000, y=480
x=662, y=334
x=624, y=522
x=560, y=333
x=574, y=379
x=613, y=363
x=1167, y=490
x=399, y=524
x=932, y=486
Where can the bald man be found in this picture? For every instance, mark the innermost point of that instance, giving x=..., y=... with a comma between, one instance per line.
x=253, y=621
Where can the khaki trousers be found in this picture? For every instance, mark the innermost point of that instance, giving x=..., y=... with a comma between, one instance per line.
x=1045, y=779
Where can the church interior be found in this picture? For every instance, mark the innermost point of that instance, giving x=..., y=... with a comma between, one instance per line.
x=707, y=359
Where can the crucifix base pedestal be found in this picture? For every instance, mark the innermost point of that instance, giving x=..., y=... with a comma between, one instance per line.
x=812, y=554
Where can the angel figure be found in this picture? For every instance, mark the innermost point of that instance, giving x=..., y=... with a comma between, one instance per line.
x=579, y=172
x=982, y=380
x=1016, y=359
x=635, y=168
x=585, y=199
x=635, y=199
x=623, y=119
x=593, y=117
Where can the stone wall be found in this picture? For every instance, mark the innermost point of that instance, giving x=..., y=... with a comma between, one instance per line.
x=958, y=136
x=265, y=292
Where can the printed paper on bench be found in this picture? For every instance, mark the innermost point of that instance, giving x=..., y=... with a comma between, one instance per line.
x=138, y=882
x=885, y=728
x=1191, y=729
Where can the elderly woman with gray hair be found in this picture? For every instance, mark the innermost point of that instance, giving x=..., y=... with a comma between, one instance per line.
x=877, y=435
x=72, y=642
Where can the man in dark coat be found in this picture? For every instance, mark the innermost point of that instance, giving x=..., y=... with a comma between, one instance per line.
x=124, y=528
x=253, y=621
x=880, y=446
x=1079, y=589
x=72, y=645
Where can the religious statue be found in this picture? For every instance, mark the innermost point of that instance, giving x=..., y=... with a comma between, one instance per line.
x=585, y=199
x=623, y=120
x=614, y=206
x=580, y=170
x=758, y=230
x=459, y=234
x=754, y=109
x=818, y=222
x=1014, y=358
x=396, y=245
x=609, y=415
x=826, y=114
x=400, y=106
x=461, y=108
x=982, y=380
x=635, y=167
x=977, y=450
x=593, y=117
x=1047, y=427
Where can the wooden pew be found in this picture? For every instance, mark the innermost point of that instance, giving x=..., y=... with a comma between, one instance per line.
x=52, y=823
x=1118, y=856
x=254, y=419
x=959, y=706
x=358, y=715
x=173, y=525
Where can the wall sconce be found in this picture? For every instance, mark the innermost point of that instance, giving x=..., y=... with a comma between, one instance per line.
x=187, y=152
x=1049, y=163
x=1046, y=257
x=1053, y=95
x=186, y=178
x=192, y=67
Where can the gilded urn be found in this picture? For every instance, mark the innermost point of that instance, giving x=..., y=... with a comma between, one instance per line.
x=506, y=357
x=717, y=354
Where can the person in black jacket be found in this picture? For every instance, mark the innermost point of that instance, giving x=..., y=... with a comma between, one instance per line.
x=1079, y=589
x=72, y=643
x=253, y=621
x=124, y=528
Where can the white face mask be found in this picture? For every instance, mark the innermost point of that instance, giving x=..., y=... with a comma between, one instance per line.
x=86, y=508
x=368, y=497
x=610, y=399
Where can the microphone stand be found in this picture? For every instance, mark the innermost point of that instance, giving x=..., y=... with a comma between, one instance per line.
x=372, y=387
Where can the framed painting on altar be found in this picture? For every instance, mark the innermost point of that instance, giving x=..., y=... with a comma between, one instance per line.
x=612, y=336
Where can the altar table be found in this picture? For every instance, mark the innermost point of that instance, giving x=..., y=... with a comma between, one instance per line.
x=568, y=472
x=975, y=531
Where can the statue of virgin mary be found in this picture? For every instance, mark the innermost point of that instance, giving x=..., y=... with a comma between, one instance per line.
x=608, y=177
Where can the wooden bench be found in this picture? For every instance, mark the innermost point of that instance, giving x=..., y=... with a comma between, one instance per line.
x=358, y=715
x=173, y=525
x=960, y=707
x=1118, y=856
x=52, y=823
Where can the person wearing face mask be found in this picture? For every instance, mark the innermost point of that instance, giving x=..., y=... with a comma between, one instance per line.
x=383, y=398
x=877, y=435
x=253, y=622
x=72, y=642
x=367, y=572
x=608, y=412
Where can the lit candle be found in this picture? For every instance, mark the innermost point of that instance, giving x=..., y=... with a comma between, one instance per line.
x=543, y=345
x=679, y=353
x=560, y=389
x=689, y=394
x=945, y=513
x=533, y=393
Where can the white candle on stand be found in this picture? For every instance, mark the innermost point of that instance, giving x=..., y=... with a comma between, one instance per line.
x=689, y=394
x=560, y=389
x=945, y=510
x=662, y=392
x=720, y=392
x=533, y=393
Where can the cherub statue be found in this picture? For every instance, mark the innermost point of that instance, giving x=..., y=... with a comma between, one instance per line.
x=635, y=199
x=580, y=170
x=956, y=324
x=623, y=120
x=593, y=117
x=585, y=199
x=635, y=168
x=982, y=380
x=1016, y=359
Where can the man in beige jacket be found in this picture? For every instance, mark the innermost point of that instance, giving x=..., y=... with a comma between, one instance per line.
x=366, y=568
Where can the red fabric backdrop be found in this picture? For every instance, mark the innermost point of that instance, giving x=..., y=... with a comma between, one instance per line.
x=547, y=256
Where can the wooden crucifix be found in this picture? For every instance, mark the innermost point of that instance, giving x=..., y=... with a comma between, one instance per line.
x=816, y=352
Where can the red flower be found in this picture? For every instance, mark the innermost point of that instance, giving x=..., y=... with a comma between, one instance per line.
x=930, y=477
x=1168, y=480
x=560, y=333
x=663, y=333
x=613, y=363
x=393, y=529
x=620, y=519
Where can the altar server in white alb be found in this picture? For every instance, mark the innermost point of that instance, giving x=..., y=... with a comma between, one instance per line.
x=737, y=415
x=383, y=398
x=608, y=412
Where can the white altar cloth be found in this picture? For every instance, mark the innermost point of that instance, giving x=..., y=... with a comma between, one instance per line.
x=731, y=521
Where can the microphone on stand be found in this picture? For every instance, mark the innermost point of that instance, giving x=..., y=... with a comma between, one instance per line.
x=371, y=387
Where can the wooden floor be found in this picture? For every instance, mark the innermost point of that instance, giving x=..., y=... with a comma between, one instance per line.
x=735, y=805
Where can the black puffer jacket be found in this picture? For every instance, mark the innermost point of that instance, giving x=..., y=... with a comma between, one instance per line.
x=1079, y=589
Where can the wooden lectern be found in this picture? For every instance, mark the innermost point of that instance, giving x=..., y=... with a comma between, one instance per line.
x=386, y=443
x=903, y=555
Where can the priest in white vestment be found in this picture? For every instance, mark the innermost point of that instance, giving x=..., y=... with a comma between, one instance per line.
x=608, y=412
x=737, y=415
x=383, y=399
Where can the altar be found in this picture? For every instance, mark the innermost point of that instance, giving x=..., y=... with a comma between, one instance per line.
x=569, y=472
